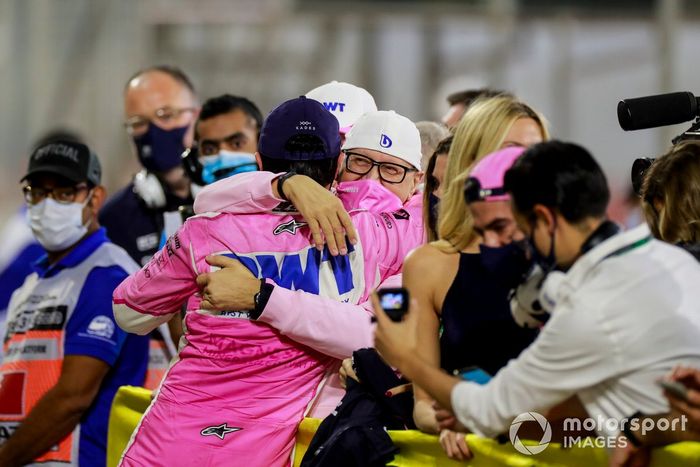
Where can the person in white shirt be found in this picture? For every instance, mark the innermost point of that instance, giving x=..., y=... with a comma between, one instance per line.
x=623, y=309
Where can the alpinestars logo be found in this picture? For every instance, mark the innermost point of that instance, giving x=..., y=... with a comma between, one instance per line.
x=219, y=430
x=305, y=126
x=290, y=227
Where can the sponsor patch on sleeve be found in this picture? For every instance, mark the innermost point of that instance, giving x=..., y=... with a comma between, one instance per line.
x=401, y=214
x=101, y=326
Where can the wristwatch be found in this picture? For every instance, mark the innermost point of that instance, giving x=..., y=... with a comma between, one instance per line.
x=280, y=183
x=261, y=298
x=627, y=431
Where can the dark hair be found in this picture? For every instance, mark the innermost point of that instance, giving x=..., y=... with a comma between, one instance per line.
x=470, y=95
x=562, y=176
x=432, y=184
x=227, y=103
x=320, y=170
x=174, y=72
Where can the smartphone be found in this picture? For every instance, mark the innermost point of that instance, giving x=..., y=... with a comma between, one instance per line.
x=674, y=387
x=473, y=374
x=394, y=302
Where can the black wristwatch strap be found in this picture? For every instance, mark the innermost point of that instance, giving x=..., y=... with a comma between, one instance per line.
x=280, y=183
x=629, y=434
x=261, y=298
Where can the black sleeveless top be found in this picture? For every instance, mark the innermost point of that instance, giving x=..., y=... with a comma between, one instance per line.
x=478, y=328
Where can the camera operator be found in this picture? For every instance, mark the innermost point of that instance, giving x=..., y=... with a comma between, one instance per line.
x=670, y=193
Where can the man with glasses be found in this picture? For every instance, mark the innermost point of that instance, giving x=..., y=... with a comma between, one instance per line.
x=64, y=355
x=240, y=387
x=383, y=147
x=378, y=148
x=161, y=108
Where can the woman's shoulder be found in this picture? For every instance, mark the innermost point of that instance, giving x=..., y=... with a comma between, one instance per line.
x=428, y=253
x=428, y=257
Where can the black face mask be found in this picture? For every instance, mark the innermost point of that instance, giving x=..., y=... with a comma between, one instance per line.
x=509, y=263
x=433, y=204
x=546, y=263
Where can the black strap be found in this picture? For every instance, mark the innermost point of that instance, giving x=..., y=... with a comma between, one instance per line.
x=280, y=183
x=604, y=231
x=261, y=298
x=627, y=430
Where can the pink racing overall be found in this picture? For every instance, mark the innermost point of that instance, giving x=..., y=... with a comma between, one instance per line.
x=313, y=319
x=239, y=388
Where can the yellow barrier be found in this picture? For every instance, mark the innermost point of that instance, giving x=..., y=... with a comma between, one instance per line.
x=416, y=448
x=127, y=408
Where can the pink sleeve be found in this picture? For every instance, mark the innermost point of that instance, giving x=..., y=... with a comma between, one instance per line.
x=389, y=237
x=392, y=282
x=150, y=296
x=244, y=193
x=326, y=325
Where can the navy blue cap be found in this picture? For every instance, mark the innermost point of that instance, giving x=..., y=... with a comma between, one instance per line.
x=300, y=116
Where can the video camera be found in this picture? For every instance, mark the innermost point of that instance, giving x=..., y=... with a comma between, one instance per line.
x=654, y=111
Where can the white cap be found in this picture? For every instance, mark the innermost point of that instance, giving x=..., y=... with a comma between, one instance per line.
x=345, y=101
x=388, y=132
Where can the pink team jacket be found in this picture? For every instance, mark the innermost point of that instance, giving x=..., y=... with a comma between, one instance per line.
x=307, y=318
x=239, y=387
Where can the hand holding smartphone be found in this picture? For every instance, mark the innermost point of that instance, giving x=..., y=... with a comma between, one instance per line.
x=675, y=388
x=394, y=302
x=473, y=374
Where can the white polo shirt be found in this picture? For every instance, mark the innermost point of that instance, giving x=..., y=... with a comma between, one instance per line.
x=626, y=313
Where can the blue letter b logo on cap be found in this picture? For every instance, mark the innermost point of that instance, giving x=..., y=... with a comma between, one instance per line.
x=385, y=141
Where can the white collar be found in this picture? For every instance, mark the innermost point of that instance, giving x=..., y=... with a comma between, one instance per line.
x=606, y=248
x=558, y=285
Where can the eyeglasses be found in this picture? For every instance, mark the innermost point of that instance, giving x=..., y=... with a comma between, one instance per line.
x=138, y=124
x=388, y=172
x=62, y=194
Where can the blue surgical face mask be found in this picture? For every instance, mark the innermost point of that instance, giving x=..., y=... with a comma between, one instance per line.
x=509, y=264
x=160, y=150
x=225, y=164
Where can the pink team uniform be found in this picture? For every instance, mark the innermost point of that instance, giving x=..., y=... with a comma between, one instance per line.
x=315, y=318
x=239, y=387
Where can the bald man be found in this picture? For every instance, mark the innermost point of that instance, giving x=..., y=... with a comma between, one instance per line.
x=161, y=108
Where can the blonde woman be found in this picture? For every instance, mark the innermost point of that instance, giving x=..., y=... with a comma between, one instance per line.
x=451, y=279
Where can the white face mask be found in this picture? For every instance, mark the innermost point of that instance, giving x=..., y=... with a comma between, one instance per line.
x=57, y=226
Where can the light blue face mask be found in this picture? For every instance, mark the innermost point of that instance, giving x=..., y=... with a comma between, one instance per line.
x=225, y=164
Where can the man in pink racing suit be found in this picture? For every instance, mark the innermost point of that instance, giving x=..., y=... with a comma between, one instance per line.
x=239, y=387
x=312, y=319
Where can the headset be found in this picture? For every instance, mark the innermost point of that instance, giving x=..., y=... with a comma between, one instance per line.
x=150, y=189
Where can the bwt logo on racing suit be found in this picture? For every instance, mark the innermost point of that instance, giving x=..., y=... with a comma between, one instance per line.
x=309, y=270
